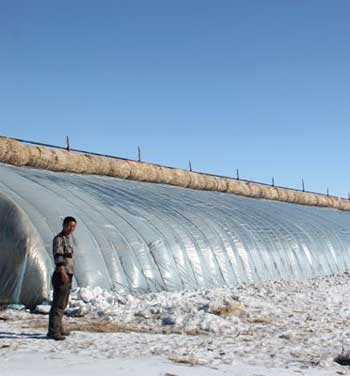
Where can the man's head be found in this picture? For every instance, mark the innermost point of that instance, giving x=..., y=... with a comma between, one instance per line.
x=69, y=224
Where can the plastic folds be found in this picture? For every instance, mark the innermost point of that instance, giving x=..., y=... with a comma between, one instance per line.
x=144, y=237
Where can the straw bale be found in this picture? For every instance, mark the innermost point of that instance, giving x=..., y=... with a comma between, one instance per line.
x=308, y=198
x=71, y=162
x=329, y=202
x=305, y=198
x=57, y=161
x=198, y=181
x=79, y=163
x=50, y=156
x=106, y=166
x=61, y=163
x=311, y=199
x=246, y=189
x=33, y=156
x=16, y=153
x=265, y=191
x=233, y=186
x=221, y=184
x=180, y=178
x=298, y=197
x=211, y=183
x=255, y=190
x=291, y=196
x=238, y=187
x=120, y=168
x=282, y=194
x=344, y=204
x=101, y=165
x=269, y=193
x=11, y=148
x=316, y=199
x=273, y=194
x=87, y=164
x=4, y=142
x=165, y=174
x=341, y=204
x=44, y=158
x=144, y=172
x=5, y=149
x=94, y=165
x=156, y=170
x=322, y=200
x=333, y=201
x=294, y=197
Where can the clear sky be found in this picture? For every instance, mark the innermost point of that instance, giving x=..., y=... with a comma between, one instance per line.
x=259, y=85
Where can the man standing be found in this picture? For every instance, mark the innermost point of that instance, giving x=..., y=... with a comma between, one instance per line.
x=61, y=278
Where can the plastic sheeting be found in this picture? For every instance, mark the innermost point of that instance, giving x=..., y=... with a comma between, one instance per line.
x=150, y=237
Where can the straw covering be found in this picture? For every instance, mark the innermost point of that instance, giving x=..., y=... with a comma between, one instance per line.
x=19, y=154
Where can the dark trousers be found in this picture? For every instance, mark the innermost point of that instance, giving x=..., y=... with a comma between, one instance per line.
x=59, y=303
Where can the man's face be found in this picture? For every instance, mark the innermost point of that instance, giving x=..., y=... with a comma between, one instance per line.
x=69, y=227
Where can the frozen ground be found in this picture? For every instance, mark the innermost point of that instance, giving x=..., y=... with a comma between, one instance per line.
x=277, y=328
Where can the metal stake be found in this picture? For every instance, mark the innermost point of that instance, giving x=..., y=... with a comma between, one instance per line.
x=190, y=165
x=139, y=153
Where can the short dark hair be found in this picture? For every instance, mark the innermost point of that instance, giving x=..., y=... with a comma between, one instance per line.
x=69, y=219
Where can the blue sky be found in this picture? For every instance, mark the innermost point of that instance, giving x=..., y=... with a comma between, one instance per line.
x=263, y=86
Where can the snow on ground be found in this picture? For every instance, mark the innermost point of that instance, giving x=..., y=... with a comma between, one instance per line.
x=275, y=328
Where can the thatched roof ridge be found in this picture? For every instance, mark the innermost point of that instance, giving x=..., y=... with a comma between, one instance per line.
x=20, y=154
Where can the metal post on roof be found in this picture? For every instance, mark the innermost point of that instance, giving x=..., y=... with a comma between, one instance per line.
x=237, y=174
x=67, y=143
x=303, y=184
x=139, y=153
x=190, y=165
x=273, y=181
x=327, y=191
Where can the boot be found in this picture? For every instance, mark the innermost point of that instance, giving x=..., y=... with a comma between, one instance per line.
x=56, y=337
x=64, y=332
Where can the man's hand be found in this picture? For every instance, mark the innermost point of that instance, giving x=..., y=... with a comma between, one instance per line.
x=64, y=275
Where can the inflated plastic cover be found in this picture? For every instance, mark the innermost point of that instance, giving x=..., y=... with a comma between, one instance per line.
x=149, y=237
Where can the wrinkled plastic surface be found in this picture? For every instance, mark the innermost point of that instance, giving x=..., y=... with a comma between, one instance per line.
x=149, y=237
